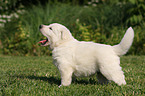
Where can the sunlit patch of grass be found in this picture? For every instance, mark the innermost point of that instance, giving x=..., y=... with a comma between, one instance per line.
x=38, y=76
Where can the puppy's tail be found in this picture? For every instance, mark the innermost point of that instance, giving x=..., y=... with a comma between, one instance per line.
x=125, y=43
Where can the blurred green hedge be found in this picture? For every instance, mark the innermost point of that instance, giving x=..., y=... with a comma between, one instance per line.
x=100, y=23
x=8, y=6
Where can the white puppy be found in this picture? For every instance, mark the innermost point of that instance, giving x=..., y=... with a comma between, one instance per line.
x=85, y=58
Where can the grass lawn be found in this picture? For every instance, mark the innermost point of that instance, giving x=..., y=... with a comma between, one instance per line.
x=37, y=76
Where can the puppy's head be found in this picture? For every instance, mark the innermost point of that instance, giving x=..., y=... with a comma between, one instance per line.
x=56, y=34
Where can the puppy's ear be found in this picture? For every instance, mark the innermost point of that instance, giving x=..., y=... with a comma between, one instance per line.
x=65, y=34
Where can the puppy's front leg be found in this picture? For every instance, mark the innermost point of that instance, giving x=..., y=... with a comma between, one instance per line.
x=66, y=77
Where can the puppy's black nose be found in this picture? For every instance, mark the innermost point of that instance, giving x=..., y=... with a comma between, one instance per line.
x=40, y=26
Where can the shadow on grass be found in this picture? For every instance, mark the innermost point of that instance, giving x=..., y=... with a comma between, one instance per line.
x=51, y=80
x=57, y=81
x=85, y=82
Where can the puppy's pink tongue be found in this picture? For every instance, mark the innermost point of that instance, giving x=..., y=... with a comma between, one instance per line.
x=42, y=41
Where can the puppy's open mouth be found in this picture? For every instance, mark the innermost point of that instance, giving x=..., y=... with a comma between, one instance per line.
x=44, y=42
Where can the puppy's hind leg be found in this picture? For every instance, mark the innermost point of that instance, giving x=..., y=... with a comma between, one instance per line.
x=102, y=79
x=110, y=68
x=113, y=73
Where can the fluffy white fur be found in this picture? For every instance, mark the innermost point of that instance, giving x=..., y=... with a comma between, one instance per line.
x=79, y=58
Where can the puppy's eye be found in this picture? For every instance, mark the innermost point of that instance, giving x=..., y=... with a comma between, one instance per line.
x=50, y=28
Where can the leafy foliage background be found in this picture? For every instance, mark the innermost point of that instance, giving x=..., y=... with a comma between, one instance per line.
x=101, y=21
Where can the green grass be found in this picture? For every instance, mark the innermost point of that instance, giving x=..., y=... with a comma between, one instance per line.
x=37, y=76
